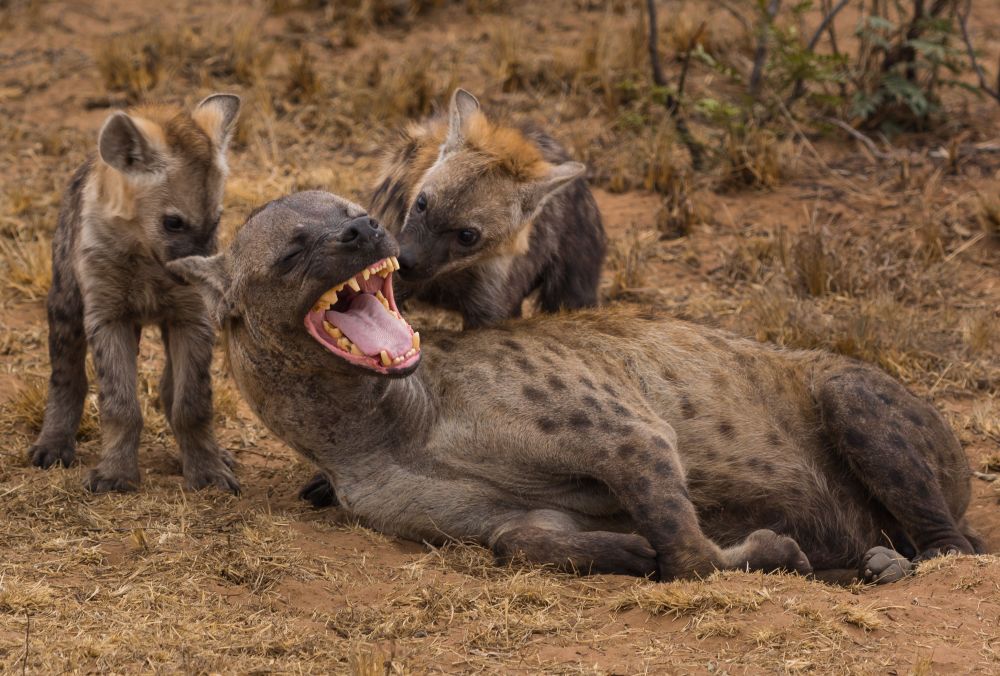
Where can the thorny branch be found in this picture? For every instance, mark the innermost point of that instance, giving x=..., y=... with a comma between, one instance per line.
x=800, y=86
x=672, y=102
x=963, y=22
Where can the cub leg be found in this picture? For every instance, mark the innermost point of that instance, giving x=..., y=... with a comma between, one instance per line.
x=549, y=537
x=68, y=383
x=166, y=388
x=115, y=348
x=203, y=462
x=319, y=492
x=903, y=452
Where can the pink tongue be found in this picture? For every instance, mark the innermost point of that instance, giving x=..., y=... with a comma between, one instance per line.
x=370, y=326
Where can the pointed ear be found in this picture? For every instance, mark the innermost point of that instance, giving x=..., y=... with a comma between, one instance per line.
x=127, y=148
x=217, y=116
x=463, y=106
x=211, y=277
x=534, y=193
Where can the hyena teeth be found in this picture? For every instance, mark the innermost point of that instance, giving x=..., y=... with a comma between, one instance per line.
x=353, y=283
x=395, y=263
x=355, y=351
x=382, y=299
x=328, y=299
x=384, y=272
x=409, y=353
x=344, y=344
x=366, y=273
x=332, y=330
x=416, y=341
x=398, y=360
x=386, y=361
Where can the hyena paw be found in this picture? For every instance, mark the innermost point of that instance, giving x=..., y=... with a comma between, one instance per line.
x=47, y=455
x=101, y=480
x=626, y=554
x=882, y=565
x=767, y=551
x=218, y=474
x=319, y=492
x=227, y=458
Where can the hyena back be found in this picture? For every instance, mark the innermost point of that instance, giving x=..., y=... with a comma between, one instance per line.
x=152, y=194
x=487, y=214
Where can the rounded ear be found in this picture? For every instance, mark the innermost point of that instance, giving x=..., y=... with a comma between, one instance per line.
x=557, y=176
x=463, y=106
x=210, y=275
x=217, y=115
x=124, y=146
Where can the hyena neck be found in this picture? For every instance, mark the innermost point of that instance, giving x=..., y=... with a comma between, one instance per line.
x=339, y=417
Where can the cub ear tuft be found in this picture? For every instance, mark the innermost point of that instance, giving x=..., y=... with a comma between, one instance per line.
x=210, y=275
x=126, y=147
x=463, y=106
x=217, y=115
x=555, y=178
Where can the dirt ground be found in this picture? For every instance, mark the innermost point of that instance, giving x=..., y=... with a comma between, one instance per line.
x=885, y=251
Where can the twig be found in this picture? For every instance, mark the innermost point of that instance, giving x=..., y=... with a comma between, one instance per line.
x=760, y=55
x=963, y=22
x=858, y=136
x=800, y=87
x=671, y=102
x=27, y=637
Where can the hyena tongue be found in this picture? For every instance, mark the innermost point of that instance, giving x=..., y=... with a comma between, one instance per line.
x=371, y=327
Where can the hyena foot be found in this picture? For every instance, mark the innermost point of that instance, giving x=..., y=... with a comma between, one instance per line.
x=882, y=565
x=47, y=454
x=766, y=551
x=103, y=479
x=319, y=492
x=212, y=471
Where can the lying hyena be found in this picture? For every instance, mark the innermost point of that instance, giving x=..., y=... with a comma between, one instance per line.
x=152, y=194
x=612, y=441
x=487, y=214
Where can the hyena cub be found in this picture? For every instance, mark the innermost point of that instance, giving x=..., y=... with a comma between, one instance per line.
x=153, y=194
x=486, y=214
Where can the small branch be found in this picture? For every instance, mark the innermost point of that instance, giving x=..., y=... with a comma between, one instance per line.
x=673, y=103
x=800, y=86
x=858, y=136
x=760, y=54
x=963, y=22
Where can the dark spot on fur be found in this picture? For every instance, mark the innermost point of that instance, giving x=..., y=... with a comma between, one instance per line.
x=556, y=383
x=720, y=380
x=668, y=374
x=592, y=402
x=718, y=342
x=856, y=438
x=512, y=344
x=534, y=394
x=726, y=430
x=588, y=383
x=886, y=399
x=923, y=490
x=899, y=442
x=895, y=477
x=580, y=420
x=626, y=450
x=688, y=409
x=547, y=425
x=774, y=439
x=663, y=468
x=711, y=454
x=753, y=463
x=619, y=409
x=914, y=417
x=610, y=390
x=524, y=364
x=446, y=344
x=659, y=442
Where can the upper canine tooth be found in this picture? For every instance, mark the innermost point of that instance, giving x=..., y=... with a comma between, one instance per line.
x=395, y=262
x=353, y=283
x=366, y=273
x=386, y=360
x=416, y=341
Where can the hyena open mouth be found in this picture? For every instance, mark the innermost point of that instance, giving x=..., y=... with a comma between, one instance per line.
x=357, y=320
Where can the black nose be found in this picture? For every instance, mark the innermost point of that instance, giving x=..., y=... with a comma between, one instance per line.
x=407, y=261
x=361, y=230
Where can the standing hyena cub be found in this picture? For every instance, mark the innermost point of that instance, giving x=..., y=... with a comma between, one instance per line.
x=487, y=214
x=153, y=194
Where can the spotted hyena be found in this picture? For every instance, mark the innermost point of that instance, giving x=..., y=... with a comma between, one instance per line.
x=152, y=194
x=615, y=441
x=487, y=214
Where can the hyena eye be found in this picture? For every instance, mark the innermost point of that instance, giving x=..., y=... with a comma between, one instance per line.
x=173, y=223
x=421, y=203
x=468, y=237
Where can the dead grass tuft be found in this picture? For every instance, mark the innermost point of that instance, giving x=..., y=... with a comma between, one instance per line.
x=692, y=597
x=629, y=258
x=866, y=617
x=26, y=267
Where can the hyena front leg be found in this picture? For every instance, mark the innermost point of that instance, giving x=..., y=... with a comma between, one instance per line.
x=166, y=388
x=190, y=357
x=68, y=383
x=115, y=346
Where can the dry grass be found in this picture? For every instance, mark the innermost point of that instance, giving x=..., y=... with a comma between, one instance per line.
x=26, y=267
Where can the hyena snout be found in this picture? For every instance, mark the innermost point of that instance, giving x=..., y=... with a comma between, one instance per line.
x=361, y=230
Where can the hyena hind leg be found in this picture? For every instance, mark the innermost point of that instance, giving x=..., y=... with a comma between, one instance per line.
x=550, y=537
x=903, y=453
x=319, y=492
x=56, y=443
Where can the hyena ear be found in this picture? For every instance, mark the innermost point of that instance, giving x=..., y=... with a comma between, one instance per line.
x=463, y=106
x=217, y=116
x=127, y=148
x=557, y=176
x=210, y=275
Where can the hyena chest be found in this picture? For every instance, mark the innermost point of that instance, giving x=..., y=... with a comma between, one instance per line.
x=135, y=288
